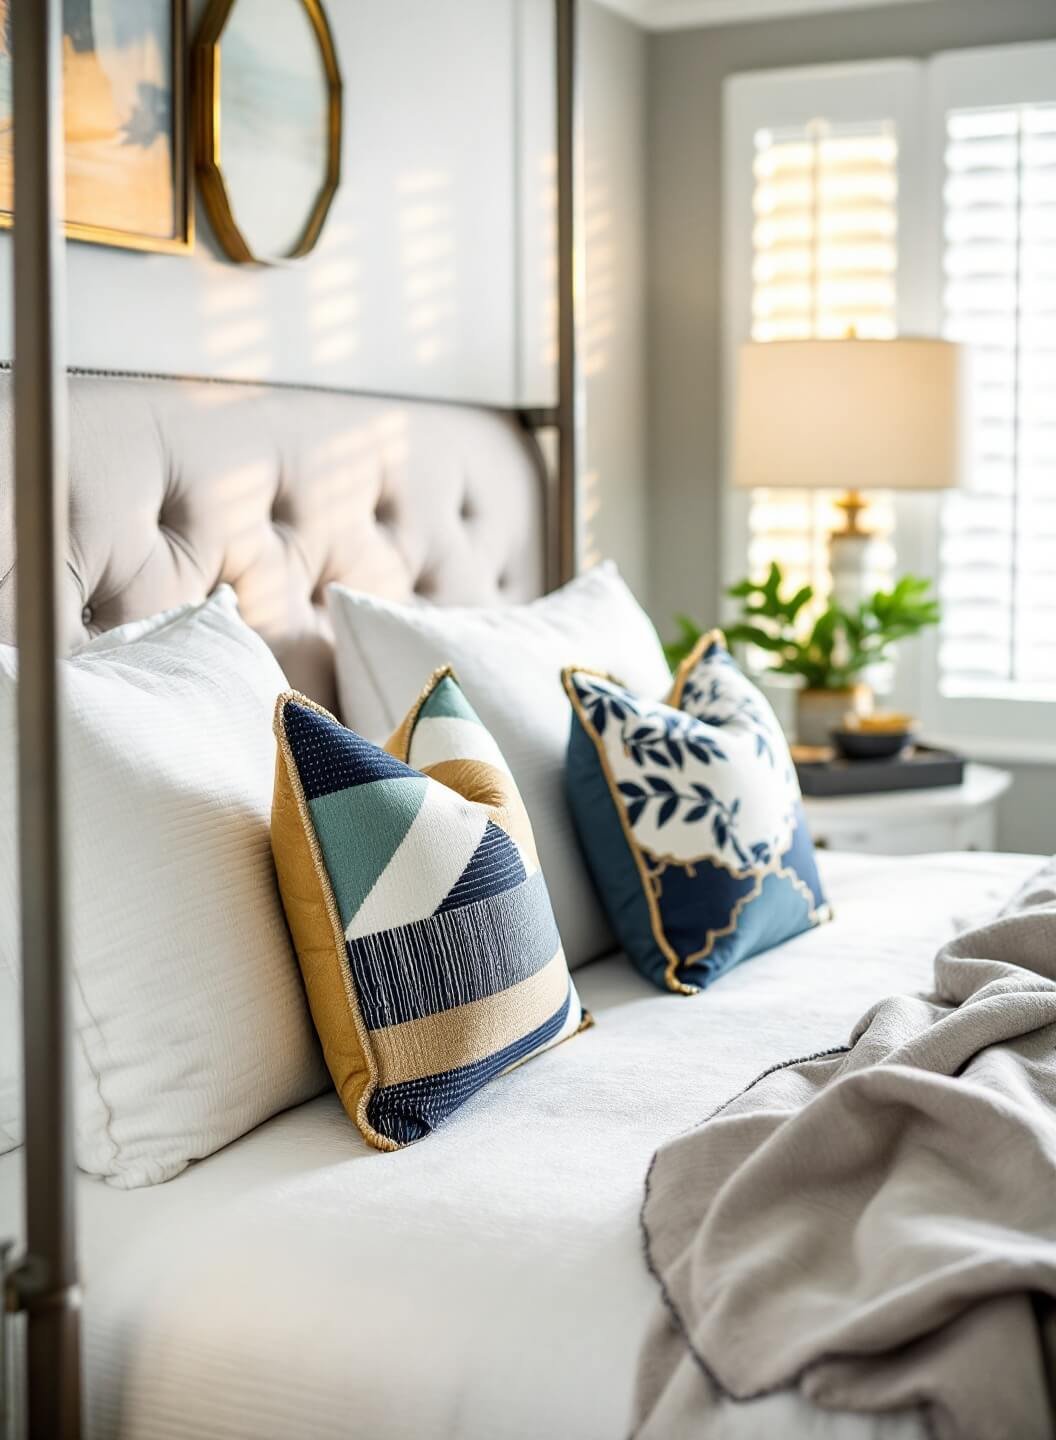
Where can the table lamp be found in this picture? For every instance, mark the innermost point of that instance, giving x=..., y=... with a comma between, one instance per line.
x=851, y=415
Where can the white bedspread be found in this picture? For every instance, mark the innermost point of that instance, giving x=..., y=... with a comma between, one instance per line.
x=488, y=1282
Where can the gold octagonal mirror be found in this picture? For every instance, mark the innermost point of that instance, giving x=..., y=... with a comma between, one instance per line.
x=268, y=108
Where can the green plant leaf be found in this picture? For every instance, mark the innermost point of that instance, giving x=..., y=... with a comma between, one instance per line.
x=802, y=597
x=754, y=635
x=840, y=643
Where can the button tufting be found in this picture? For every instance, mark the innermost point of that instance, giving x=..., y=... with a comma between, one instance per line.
x=502, y=581
x=86, y=616
x=170, y=509
x=384, y=511
x=467, y=509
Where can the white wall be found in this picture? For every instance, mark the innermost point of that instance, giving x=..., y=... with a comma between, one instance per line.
x=435, y=273
x=411, y=287
x=612, y=345
x=612, y=160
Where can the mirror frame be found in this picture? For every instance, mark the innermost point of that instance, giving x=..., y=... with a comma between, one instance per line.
x=209, y=144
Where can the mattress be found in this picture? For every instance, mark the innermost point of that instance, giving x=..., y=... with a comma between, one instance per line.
x=489, y=1281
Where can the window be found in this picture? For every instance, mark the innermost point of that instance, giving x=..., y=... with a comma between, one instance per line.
x=825, y=254
x=918, y=198
x=998, y=540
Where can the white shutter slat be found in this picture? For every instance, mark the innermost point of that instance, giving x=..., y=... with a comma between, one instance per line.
x=998, y=545
x=824, y=259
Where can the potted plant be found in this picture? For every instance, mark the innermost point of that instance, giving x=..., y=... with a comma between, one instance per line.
x=829, y=653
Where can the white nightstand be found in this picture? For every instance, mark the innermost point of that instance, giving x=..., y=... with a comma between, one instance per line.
x=909, y=822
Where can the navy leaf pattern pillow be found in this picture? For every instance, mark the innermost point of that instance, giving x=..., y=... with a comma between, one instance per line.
x=691, y=819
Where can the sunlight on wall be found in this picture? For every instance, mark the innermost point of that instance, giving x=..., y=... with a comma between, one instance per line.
x=348, y=473
x=546, y=199
x=590, y=509
x=335, y=308
x=599, y=301
x=427, y=255
x=234, y=324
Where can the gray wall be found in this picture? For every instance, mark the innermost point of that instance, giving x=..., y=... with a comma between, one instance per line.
x=686, y=74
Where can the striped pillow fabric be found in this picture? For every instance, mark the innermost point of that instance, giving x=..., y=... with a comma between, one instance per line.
x=418, y=910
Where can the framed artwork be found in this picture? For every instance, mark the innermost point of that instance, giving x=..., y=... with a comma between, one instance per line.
x=269, y=123
x=125, y=83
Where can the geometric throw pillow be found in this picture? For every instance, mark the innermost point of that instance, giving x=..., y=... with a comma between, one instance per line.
x=691, y=819
x=418, y=910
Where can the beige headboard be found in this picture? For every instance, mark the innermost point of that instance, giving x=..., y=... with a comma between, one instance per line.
x=177, y=485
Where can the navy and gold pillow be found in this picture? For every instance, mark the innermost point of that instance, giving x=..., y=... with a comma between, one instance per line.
x=691, y=819
x=418, y=910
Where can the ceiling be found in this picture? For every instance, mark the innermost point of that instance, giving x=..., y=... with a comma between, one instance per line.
x=683, y=14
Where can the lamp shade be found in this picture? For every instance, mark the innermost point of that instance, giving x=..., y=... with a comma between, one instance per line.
x=852, y=414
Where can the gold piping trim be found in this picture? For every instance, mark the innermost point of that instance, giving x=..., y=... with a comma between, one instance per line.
x=374, y=1137
x=663, y=944
x=819, y=915
x=399, y=742
x=815, y=914
x=668, y=860
x=735, y=914
x=586, y=1022
x=692, y=660
x=511, y=815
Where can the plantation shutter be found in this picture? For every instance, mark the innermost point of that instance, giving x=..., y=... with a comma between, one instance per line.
x=824, y=263
x=998, y=539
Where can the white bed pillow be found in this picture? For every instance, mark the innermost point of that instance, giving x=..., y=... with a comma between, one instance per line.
x=508, y=661
x=191, y=1021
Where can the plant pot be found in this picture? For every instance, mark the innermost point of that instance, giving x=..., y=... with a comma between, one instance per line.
x=819, y=712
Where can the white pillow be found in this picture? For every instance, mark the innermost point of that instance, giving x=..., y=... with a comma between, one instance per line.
x=191, y=1021
x=508, y=661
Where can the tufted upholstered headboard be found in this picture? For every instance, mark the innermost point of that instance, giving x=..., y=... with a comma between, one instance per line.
x=177, y=485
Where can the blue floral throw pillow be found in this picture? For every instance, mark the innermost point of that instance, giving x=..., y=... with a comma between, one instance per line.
x=691, y=819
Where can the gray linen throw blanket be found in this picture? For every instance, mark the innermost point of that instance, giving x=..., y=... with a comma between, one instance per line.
x=877, y=1226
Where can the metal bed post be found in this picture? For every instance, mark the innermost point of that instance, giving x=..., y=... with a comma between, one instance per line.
x=45, y=1283
x=567, y=289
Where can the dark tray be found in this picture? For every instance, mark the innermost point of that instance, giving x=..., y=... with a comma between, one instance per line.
x=921, y=768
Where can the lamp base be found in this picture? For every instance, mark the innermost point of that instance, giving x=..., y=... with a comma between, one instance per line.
x=852, y=502
x=857, y=560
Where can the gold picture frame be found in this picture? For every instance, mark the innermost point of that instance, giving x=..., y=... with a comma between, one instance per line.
x=122, y=171
x=215, y=185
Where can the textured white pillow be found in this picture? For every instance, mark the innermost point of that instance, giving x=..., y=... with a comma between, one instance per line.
x=191, y=1021
x=508, y=661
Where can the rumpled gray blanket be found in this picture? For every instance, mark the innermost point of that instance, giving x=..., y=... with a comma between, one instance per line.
x=878, y=1226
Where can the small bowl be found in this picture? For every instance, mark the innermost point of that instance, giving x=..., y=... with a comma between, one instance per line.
x=871, y=744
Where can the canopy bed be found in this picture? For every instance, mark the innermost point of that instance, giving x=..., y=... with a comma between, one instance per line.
x=488, y=1281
